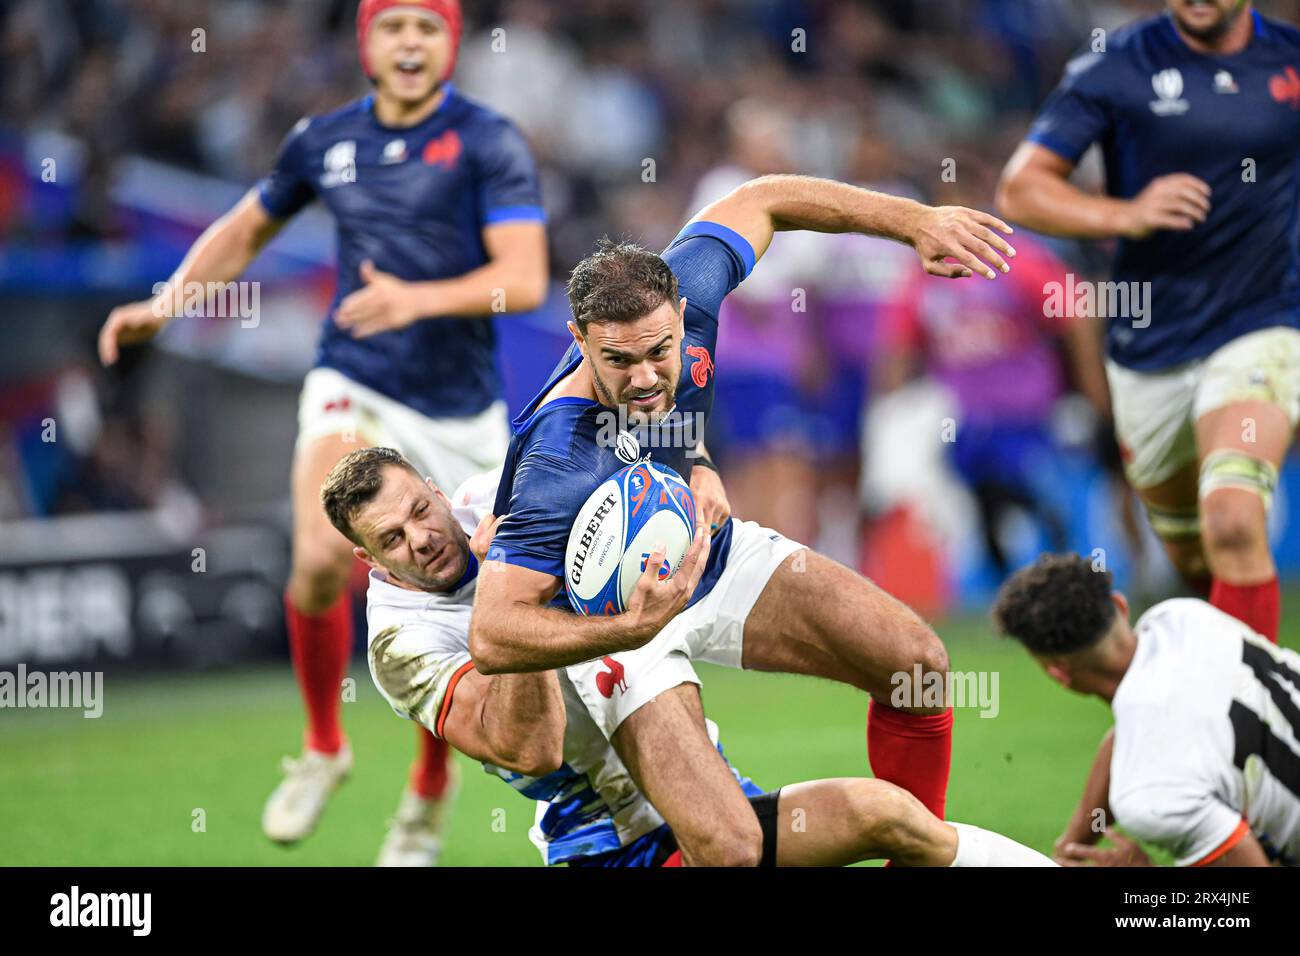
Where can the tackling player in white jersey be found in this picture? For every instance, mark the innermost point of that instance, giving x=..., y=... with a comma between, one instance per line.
x=1204, y=761
x=533, y=729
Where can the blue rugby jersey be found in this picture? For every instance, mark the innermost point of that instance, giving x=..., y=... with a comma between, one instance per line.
x=415, y=201
x=418, y=651
x=582, y=814
x=1157, y=107
x=561, y=451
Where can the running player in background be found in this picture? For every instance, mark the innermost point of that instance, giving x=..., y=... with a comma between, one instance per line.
x=1204, y=760
x=993, y=348
x=533, y=730
x=1197, y=112
x=440, y=226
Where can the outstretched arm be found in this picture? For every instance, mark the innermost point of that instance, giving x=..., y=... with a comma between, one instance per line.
x=221, y=254
x=781, y=203
x=1092, y=817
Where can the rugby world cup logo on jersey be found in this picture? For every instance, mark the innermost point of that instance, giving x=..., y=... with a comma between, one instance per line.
x=677, y=429
x=627, y=448
x=340, y=164
x=1168, y=85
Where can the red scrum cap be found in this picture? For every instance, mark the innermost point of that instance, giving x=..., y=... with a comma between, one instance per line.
x=448, y=10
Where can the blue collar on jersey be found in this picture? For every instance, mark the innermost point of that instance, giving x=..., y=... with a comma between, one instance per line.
x=1261, y=32
x=526, y=417
x=471, y=572
x=368, y=105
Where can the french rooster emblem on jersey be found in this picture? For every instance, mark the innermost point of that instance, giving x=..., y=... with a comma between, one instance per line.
x=702, y=367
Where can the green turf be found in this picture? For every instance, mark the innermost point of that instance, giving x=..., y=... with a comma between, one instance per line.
x=123, y=789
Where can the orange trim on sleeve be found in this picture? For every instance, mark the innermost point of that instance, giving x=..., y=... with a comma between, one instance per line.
x=1234, y=838
x=446, y=698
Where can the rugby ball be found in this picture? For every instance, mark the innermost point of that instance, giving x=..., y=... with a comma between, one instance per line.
x=629, y=513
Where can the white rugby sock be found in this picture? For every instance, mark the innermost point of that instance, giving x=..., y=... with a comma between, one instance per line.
x=979, y=847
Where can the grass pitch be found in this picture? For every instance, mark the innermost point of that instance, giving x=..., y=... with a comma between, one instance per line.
x=176, y=770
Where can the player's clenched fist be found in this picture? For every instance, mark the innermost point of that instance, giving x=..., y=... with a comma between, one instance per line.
x=711, y=506
x=941, y=233
x=654, y=602
x=481, y=540
x=1177, y=202
x=129, y=324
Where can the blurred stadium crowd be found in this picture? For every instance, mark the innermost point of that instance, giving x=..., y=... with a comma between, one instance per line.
x=159, y=113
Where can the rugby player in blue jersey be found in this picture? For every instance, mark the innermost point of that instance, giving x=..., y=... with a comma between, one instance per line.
x=1197, y=114
x=534, y=731
x=440, y=225
x=637, y=380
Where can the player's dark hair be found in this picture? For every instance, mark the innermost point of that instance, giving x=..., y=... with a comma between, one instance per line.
x=353, y=483
x=1057, y=605
x=619, y=282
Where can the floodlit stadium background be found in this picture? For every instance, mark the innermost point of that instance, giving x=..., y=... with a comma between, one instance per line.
x=144, y=511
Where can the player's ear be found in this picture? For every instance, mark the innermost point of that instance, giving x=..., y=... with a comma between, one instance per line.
x=681, y=317
x=578, y=337
x=1057, y=671
x=1121, y=604
x=437, y=492
x=361, y=554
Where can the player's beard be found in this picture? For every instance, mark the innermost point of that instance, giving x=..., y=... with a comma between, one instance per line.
x=632, y=415
x=419, y=577
x=1214, y=32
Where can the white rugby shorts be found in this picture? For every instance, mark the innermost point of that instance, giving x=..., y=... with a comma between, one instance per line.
x=712, y=630
x=448, y=450
x=1156, y=412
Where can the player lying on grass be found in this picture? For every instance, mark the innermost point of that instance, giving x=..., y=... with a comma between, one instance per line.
x=1206, y=743
x=763, y=602
x=534, y=731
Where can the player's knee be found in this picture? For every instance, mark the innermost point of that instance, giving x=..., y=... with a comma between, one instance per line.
x=1235, y=522
x=927, y=649
x=890, y=820
x=728, y=843
x=917, y=647
x=319, y=574
x=1232, y=523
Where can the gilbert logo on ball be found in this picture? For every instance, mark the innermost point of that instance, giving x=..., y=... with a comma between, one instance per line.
x=629, y=513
